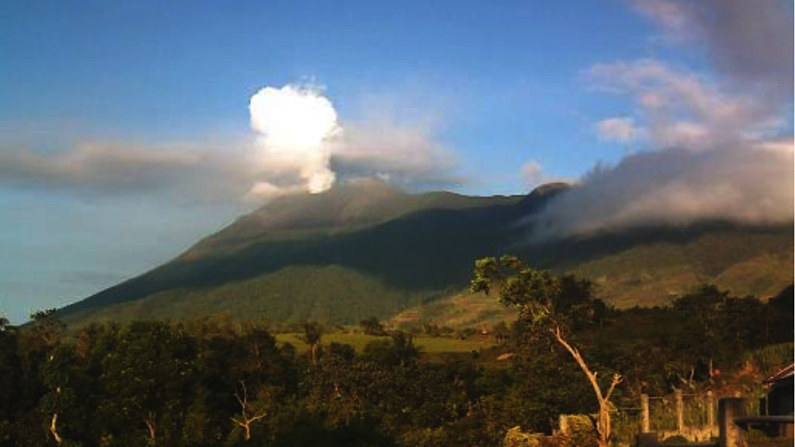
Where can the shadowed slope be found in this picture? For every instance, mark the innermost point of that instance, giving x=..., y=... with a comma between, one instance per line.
x=367, y=249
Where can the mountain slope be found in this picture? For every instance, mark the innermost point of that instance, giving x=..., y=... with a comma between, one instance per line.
x=342, y=209
x=366, y=249
x=373, y=237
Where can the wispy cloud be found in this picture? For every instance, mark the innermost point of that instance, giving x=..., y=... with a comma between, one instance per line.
x=532, y=173
x=715, y=145
x=298, y=145
x=407, y=155
x=619, y=130
x=303, y=146
x=680, y=108
x=748, y=41
x=118, y=169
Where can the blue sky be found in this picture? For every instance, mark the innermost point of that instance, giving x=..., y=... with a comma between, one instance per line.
x=494, y=84
x=498, y=76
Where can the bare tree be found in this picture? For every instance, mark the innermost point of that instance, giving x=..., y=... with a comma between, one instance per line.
x=540, y=297
x=151, y=426
x=247, y=417
x=54, y=428
x=603, y=417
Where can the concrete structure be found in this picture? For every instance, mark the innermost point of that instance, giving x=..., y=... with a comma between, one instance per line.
x=779, y=401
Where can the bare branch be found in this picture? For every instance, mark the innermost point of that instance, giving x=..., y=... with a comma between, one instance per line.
x=245, y=421
x=616, y=380
x=576, y=354
x=54, y=428
x=257, y=417
x=603, y=420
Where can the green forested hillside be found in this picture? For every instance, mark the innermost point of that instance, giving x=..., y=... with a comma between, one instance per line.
x=744, y=261
x=329, y=293
x=368, y=250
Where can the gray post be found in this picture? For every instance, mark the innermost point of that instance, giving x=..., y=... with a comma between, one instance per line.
x=710, y=409
x=644, y=413
x=729, y=409
x=680, y=412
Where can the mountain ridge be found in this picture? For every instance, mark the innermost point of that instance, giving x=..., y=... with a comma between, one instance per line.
x=391, y=250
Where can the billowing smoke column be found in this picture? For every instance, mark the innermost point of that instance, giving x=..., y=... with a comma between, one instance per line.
x=297, y=126
x=301, y=146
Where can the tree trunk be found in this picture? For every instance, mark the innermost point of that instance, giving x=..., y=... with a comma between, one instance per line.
x=245, y=420
x=54, y=428
x=314, y=354
x=603, y=420
x=151, y=425
x=247, y=427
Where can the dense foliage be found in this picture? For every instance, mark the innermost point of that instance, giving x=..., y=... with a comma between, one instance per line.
x=218, y=382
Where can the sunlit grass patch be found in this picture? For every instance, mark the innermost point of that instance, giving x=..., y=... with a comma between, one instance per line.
x=359, y=341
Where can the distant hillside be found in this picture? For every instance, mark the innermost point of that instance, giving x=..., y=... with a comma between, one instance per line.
x=746, y=262
x=366, y=249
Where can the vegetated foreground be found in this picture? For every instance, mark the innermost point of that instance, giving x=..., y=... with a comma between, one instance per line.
x=218, y=381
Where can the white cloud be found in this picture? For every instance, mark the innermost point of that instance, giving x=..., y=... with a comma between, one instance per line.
x=186, y=172
x=675, y=16
x=751, y=184
x=619, y=130
x=302, y=135
x=266, y=191
x=405, y=155
x=532, y=173
x=297, y=126
x=300, y=146
x=712, y=146
x=678, y=108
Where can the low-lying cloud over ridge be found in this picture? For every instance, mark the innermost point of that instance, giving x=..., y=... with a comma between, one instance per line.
x=747, y=184
x=712, y=145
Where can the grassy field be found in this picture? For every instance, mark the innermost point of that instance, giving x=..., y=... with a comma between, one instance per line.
x=358, y=341
x=464, y=310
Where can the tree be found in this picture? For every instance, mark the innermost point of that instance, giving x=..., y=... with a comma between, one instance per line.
x=543, y=300
x=48, y=326
x=10, y=373
x=501, y=332
x=371, y=326
x=148, y=375
x=259, y=370
x=312, y=334
x=58, y=377
x=779, y=312
x=603, y=421
x=247, y=414
x=400, y=351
